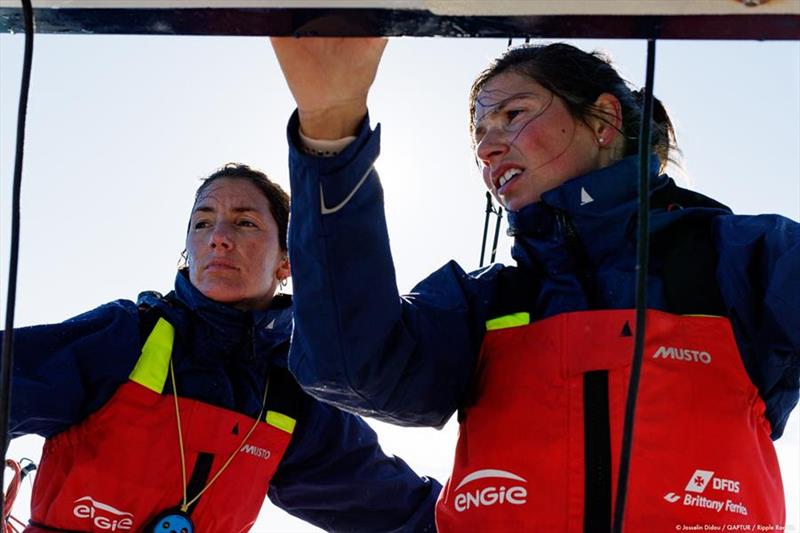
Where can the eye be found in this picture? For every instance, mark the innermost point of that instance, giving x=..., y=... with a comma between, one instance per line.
x=511, y=114
x=247, y=224
x=200, y=224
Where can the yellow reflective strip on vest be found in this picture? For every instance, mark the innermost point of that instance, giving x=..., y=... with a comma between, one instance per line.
x=152, y=367
x=508, y=321
x=281, y=421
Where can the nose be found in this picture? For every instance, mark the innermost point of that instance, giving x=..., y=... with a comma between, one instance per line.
x=492, y=146
x=221, y=237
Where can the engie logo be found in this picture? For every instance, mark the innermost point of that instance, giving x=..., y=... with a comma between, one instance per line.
x=700, y=478
x=682, y=354
x=506, y=493
x=261, y=453
x=102, y=516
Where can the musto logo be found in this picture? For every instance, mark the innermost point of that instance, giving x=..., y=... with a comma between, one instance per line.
x=255, y=451
x=682, y=354
x=101, y=515
x=504, y=489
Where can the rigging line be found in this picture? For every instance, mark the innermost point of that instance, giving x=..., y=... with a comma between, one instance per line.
x=499, y=214
x=489, y=210
x=7, y=355
x=642, y=246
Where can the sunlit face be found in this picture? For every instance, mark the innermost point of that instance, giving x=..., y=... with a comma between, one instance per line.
x=232, y=245
x=527, y=141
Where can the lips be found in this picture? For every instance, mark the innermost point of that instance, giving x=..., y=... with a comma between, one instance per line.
x=505, y=175
x=219, y=265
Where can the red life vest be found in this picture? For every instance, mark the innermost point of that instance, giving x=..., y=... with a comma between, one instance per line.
x=538, y=449
x=121, y=467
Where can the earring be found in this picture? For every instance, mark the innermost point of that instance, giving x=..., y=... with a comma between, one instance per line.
x=601, y=140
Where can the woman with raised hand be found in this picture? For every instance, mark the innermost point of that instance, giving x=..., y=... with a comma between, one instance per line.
x=178, y=414
x=535, y=357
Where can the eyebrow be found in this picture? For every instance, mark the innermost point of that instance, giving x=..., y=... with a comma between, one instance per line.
x=209, y=209
x=502, y=104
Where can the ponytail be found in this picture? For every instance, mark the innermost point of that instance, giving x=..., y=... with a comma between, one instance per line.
x=662, y=132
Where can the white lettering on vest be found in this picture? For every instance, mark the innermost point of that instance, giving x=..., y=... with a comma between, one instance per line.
x=102, y=515
x=702, y=501
x=682, y=354
x=726, y=484
x=255, y=451
x=736, y=508
x=491, y=495
x=699, y=481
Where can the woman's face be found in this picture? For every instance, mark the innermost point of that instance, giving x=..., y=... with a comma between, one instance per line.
x=232, y=245
x=527, y=141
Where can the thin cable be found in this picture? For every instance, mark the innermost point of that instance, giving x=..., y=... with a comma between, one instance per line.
x=499, y=214
x=642, y=246
x=7, y=360
x=489, y=210
x=180, y=433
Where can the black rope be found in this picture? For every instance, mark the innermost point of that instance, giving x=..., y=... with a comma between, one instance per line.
x=489, y=210
x=7, y=356
x=499, y=214
x=642, y=261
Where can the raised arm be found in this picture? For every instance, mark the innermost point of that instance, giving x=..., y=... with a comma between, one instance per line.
x=357, y=343
x=330, y=81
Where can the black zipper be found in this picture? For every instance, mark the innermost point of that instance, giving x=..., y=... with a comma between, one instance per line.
x=597, y=453
x=596, y=424
x=200, y=473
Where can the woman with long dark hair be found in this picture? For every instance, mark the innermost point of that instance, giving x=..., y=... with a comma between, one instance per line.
x=535, y=358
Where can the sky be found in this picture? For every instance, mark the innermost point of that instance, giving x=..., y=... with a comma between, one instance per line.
x=121, y=128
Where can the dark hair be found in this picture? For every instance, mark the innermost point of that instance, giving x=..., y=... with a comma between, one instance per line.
x=578, y=78
x=275, y=195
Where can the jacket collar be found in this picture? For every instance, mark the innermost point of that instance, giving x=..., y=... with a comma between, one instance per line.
x=270, y=327
x=599, y=208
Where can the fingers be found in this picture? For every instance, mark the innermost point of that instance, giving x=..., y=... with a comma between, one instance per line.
x=330, y=80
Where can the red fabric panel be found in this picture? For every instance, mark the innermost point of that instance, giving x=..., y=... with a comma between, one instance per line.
x=121, y=467
x=698, y=417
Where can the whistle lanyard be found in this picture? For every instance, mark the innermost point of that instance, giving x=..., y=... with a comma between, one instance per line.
x=186, y=502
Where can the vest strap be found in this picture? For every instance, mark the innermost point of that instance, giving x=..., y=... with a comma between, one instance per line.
x=152, y=367
x=508, y=321
x=281, y=421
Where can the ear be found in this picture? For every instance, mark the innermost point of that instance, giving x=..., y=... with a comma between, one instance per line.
x=606, y=120
x=284, y=270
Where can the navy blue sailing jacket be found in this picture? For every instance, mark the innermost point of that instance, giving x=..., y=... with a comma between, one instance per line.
x=409, y=359
x=334, y=474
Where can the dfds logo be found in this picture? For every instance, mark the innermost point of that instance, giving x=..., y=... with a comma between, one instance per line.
x=102, y=515
x=507, y=492
x=699, y=481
